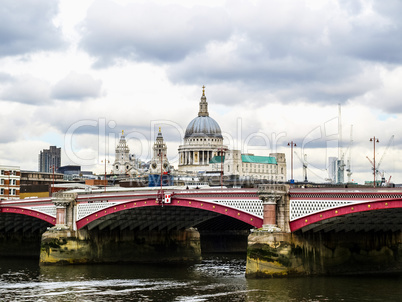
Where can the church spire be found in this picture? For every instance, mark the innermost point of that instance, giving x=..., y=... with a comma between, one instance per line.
x=203, y=104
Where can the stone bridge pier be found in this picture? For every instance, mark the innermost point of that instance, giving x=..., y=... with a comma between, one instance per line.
x=355, y=243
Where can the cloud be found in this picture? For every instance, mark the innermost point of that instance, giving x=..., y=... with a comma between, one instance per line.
x=27, y=89
x=26, y=26
x=150, y=32
x=5, y=77
x=77, y=87
x=297, y=51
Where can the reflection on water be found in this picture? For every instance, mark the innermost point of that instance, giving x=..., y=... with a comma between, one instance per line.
x=216, y=278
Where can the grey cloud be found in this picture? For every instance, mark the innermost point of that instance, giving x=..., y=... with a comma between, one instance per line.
x=26, y=26
x=27, y=90
x=5, y=78
x=292, y=50
x=150, y=32
x=77, y=87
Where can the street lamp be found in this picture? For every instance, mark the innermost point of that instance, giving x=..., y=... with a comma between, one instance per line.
x=105, y=182
x=221, y=149
x=53, y=167
x=374, y=140
x=291, y=144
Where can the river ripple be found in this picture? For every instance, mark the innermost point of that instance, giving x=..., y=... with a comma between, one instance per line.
x=216, y=278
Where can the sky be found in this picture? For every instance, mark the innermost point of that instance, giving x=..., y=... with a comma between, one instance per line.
x=75, y=74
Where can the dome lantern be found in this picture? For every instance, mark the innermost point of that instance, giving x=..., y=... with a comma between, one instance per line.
x=203, y=125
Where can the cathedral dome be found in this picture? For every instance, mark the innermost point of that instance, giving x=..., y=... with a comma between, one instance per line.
x=203, y=126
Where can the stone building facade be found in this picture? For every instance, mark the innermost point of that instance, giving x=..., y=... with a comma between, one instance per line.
x=10, y=177
x=272, y=167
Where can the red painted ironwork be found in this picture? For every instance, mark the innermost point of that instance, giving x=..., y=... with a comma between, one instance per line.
x=28, y=212
x=175, y=202
x=370, y=205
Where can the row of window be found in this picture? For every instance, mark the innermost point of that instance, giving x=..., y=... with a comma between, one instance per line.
x=12, y=172
x=13, y=182
x=203, y=140
x=12, y=191
x=264, y=169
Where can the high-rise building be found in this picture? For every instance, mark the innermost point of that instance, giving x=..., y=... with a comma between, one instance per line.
x=336, y=169
x=49, y=159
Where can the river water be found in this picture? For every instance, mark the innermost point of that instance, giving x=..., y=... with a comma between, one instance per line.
x=216, y=278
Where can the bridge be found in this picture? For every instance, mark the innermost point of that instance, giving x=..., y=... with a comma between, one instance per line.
x=139, y=209
x=106, y=226
x=289, y=222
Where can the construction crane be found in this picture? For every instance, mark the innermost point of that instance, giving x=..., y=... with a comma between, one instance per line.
x=304, y=163
x=348, y=162
x=340, y=166
x=371, y=162
x=385, y=152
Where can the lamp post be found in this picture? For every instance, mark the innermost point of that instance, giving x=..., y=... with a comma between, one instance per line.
x=9, y=179
x=291, y=144
x=53, y=167
x=221, y=153
x=105, y=182
x=374, y=140
x=160, y=154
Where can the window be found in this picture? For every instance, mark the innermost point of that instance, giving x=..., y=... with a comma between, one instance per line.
x=2, y=182
x=2, y=172
x=2, y=191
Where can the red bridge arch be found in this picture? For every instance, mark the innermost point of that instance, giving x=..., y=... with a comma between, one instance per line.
x=28, y=212
x=248, y=218
x=322, y=216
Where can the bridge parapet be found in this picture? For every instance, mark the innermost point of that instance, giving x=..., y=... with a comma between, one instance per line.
x=274, y=206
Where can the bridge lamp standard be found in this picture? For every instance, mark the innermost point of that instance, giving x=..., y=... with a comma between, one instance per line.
x=221, y=154
x=374, y=140
x=291, y=144
x=53, y=167
x=106, y=161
